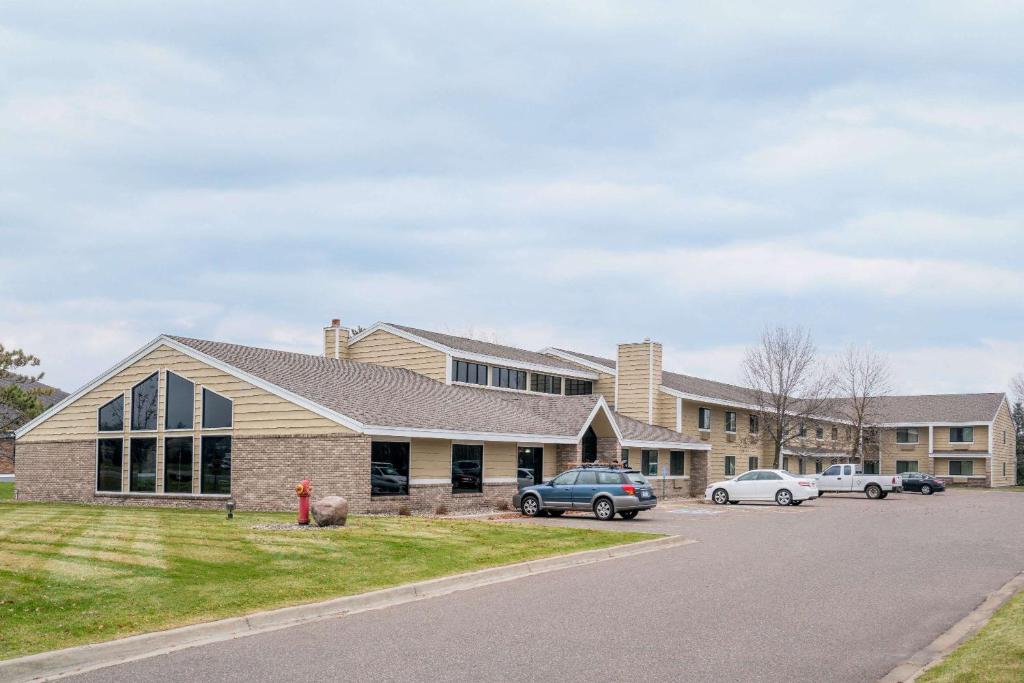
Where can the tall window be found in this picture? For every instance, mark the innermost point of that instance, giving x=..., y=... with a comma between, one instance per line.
x=111, y=415
x=578, y=387
x=144, y=400
x=961, y=434
x=785, y=463
x=817, y=467
x=508, y=378
x=835, y=433
x=625, y=457
x=704, y=419
x=181, y=396
x=906, y=466
x=467, y=468
x=754, y=424
x=178, y=464
x=589, y=445
x=389, y=468
x=470, y=373
x=215, y=465
x=677, y=463
x=730, y=422
x=216, y=410
x=819, y=433
x=752, y=463
x=961, y=468
x=142, y=472
x=649, y=462
x=803, y=430
x=802, y=465
x=730, y=465
x=109, y=456
x=546, y=384
x=529, y=466
x=906, y=435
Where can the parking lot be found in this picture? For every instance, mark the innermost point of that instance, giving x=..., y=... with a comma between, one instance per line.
x=839, y=589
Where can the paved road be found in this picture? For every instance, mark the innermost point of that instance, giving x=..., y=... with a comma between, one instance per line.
x=841, y=589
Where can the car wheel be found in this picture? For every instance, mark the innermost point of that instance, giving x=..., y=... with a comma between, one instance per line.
x=629, y=514
x=604, y=510
x=885, y=494
x=556, y=513
x=783, y=497
x=926, y=490
x=530, y=506
x=873, y=491
x=720, y=496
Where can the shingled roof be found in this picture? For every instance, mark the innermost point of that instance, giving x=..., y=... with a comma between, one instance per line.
x=47, y=400
x=941, y=408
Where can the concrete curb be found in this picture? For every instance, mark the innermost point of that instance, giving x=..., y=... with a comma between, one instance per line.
x=941, y=647
x=74, y=660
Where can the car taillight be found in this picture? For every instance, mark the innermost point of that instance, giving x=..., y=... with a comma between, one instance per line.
x=805, y=483
x=629, y=490
x=894, y=481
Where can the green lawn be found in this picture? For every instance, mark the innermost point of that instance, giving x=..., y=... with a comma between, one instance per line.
x=6, y=490
x=72, y=574
x=993, y=655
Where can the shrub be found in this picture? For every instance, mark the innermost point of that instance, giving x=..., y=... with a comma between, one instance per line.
x=503, y=505
x=441, y=510
x=404, y=510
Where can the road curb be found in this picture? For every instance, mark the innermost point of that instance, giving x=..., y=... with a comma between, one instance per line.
x=56, y=664
x=941, y=647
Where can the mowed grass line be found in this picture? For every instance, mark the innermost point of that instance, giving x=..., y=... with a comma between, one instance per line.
x=995, y=654
x=74, y=574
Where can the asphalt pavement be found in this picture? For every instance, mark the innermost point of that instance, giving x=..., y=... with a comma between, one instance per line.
x=839, y=589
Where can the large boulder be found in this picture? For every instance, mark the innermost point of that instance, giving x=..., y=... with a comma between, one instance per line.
x=330, y=511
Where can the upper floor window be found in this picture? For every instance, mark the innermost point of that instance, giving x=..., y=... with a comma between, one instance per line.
x=819, y=433
x=906, y=435
x=754, y=424
x=835, y=435
x=111, y=415
x=471, y=373
x=508, y=378
x=181, y=397
x=704, y=419
x=730, y=422
x=803, y=430
x=546, y=384
x=961, y=434
x=578, y=387
x=216, y=410
x=144, y=400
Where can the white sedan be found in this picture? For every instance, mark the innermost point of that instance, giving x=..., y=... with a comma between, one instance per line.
x=778, y=485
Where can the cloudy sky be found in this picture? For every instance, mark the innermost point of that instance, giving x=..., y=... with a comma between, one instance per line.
x=574, y=174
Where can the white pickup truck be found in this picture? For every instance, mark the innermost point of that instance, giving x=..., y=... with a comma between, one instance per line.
x=850, y=478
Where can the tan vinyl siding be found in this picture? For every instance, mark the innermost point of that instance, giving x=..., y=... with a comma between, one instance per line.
x=256, y=411
x=1003, y=453
x=742, y=445
x=384, y=348
x=942, y=467
x=500, y=460
x=605, y=385
x=635, y=378
x=942, y=440
x=431, y=459
x=892, y=451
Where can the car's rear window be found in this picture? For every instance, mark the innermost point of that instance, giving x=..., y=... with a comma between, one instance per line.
x=609, y=478
x=637, y=478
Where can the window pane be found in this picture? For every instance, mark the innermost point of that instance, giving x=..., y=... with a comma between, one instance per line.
x=389, y=469
x=144, y=400
x=609, y=478
x=529, y=466
x=216, y=411
x=548, y=384
x=752, y=463
x=215, y=475
x=587, y=478
x=676, y=463
x=109, y=455
x=142, y=476
x=566, y=479
x=178, y=464
x=754, y=426
x=111, y=417
x=467, y=468
x=730, y=464
x=578, y=387
x=181, y=396
x=649, y=462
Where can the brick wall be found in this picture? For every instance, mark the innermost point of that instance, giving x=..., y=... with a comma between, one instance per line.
x=6, y=455
x=568, y=455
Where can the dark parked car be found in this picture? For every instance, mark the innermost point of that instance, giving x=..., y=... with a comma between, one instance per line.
x=921, y=482
x=604, y=490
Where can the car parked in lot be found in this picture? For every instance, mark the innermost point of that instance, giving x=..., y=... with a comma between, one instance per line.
x=847, y=477
x=922, y=483
x=778, y=485
x=603, y=490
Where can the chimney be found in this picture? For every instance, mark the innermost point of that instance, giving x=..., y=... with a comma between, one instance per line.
x=637, y=380
x=336, y=340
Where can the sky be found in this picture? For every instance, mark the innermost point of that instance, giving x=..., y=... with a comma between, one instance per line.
x=574, y=174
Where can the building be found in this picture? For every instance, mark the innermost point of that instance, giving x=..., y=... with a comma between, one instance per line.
x=397, y=418
x=7, y=420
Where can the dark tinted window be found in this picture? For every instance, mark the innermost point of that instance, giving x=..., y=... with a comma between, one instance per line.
x=178, y=464
x=677, y=463
x=508, y=378
x=578, y=387
x=752, y=463
x=754, y=425
x=142, y=475
x=112, y=415
x=529, y=465
x=389, y=469
x=215, y=474
x=906, y=466
x=649, y=463
x=471, y=373
x=819, y=432
x=181, y=396
x=730, y=465
x=216, y=411
x=703, y=418
x=144, y=400
x=963, y=468
x=730, y=421
x=589, y=444
x=961, y=434
x=547, y=384
x=109, y=455
x=467, y=468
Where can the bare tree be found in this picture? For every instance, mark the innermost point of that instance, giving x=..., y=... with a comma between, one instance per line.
x=863, y=380
x=1017, y=387
x=790, y=385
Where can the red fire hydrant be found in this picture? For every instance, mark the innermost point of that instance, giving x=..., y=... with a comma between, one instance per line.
x=302, y=491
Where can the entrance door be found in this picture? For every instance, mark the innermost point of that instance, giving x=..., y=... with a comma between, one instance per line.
x=530, y=467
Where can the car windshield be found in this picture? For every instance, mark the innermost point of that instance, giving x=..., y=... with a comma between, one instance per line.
x=637, y=478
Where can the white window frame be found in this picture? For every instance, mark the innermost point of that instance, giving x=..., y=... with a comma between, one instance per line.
x=199, y=483
x=701, y=412
x=131, y=417
x=180, y=435
x=123, y=416
x=96, y=465
x=727, y=414
x=971, y=427
x=202, y=409
x=167, y=395
x=909, y=430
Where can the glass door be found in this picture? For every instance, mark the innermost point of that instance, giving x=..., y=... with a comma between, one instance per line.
x=530, y=466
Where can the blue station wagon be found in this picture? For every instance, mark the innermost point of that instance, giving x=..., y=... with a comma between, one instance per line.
x=602, y=489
